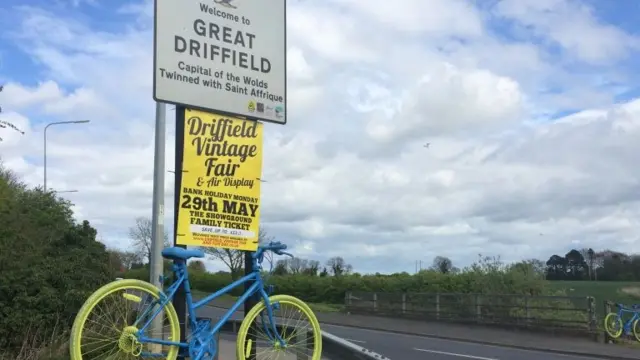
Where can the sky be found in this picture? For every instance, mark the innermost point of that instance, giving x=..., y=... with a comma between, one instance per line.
x=531, y=109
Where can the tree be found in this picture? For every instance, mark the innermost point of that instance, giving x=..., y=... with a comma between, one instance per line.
x=556, y=267
x=140, y=235
x=197, y=266
x=337, y=266
x=265, y=238
x=538, y=266
x=575, y=265
x=589, y=256
x=281, y=268
x=121, y=260
x=234, y=259
x=615, y=266
x=324, y=272
x=296, y=265
x=5, y=124
x=532, y=268
x=312, y=268
x=442, y=264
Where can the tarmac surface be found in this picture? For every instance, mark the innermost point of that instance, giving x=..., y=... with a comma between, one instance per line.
x=227, y=351
x=408, y=340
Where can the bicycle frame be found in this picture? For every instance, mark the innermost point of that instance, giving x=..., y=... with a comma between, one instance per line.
x=180, y=270
x=627, y=324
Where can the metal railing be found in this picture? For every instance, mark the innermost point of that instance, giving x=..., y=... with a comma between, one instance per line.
x=572, y=315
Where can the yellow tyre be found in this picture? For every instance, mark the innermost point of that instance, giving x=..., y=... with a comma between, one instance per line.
x=305, y=338
x=636, y=329
x=107, y=324
x=613, y=325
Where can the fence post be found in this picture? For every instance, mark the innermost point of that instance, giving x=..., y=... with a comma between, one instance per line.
x=527, y=311
x=607, y=309
x=438, y=306
x=375, y=302
x=404, y=303
x=347, y=301
x=478, y=308
x=347, y=298
x=591, y=313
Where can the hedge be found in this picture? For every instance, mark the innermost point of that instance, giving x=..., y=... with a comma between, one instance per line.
x=332, y=290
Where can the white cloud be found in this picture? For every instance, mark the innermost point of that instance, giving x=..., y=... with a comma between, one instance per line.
x=429, y=109
x=573, y=26
x=431, y=17
x=336, y=37
x=297, y=66
x=369, y=84
x=16, y=96
x=51, y=98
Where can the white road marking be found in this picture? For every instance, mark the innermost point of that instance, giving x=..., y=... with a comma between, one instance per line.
x=356, y=341
x=454, y=354
x=466, y=343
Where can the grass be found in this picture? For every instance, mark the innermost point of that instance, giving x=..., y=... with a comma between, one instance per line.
x=617, y=291
x=40, y=344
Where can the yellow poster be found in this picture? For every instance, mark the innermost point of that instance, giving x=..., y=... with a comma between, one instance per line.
x=220, y=192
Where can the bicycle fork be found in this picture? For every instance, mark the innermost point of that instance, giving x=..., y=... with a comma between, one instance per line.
x=272, y=333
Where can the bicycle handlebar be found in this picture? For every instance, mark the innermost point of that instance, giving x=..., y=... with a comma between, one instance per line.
x=633, y=306
x=274, y=246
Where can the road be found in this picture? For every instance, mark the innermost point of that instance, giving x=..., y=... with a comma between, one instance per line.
x=411, y=347
x=227, y=349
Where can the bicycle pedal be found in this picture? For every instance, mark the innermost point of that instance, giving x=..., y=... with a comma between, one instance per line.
x=202, y=346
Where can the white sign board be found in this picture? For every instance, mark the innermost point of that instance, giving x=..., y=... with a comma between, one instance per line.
x=226, y=56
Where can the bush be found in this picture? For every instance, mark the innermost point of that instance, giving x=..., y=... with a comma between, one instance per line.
x=49, y=263
x=480, y=279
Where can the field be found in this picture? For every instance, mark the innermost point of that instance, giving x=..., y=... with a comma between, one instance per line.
x=622, y=292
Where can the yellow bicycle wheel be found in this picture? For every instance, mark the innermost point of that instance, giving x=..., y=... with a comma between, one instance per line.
x=107, y=324
x=636, y=329
x=296, y=324
x=613, y=325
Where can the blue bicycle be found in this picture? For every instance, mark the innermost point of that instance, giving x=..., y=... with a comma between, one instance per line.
x=130, y=319
x=615, y=327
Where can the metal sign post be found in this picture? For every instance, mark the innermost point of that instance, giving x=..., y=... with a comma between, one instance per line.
x=157, y=215
x=179, y=299
x=222, y=56
x=251, y=301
